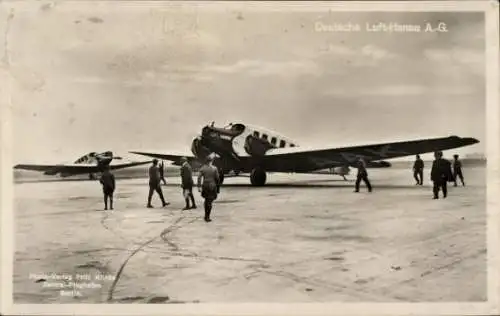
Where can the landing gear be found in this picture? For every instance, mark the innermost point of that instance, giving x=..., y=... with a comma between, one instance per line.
x=258, y=177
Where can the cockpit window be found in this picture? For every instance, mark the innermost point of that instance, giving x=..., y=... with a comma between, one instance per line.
x=282, y=143
x=292, y=145
x=237, y=127
x=264, y=136
x=273, y=140
x=256, y=134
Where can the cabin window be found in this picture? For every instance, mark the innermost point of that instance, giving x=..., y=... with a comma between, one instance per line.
x=273, y=140
x=264, y=136
x=256, y=134
x=282, y=143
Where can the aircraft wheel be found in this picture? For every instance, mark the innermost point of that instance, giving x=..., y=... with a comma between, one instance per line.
x=258, y=177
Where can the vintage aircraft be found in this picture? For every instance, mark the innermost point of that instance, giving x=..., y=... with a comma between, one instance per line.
x=242, y=148
x=90, y=163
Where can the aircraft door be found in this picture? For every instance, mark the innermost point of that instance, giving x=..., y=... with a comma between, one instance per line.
x=256, y=146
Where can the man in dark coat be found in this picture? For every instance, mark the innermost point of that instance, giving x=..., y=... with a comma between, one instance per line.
x=418, y=170
x=187, y=183
x=107, y=181
x=208, y=185
x=362, y=175
x=162, y=171
x=457, y=171
x=440, y=174
x=154, y=184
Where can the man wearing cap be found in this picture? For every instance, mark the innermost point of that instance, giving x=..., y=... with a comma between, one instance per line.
x=457, y=170
x=154, y=184
x=362, y=175
x=440, y=174
x=209, y=187
x=187, y=183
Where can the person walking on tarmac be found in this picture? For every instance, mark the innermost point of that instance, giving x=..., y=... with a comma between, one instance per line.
x=362, y=175
x=107, y=181
x=457, y=170
x=162, y=170
x=154, y=184
x=208, y=185
x=187, y=184
x=440, y=174
x=418, y=171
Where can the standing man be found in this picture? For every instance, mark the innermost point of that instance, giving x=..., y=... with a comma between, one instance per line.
x=418, y=170
x=440, y=174
x=107, y=181
x=209, y=187
x=187, y=183
x=457, y=170
x=362, y=175
x=162, y=170
x=154, y=184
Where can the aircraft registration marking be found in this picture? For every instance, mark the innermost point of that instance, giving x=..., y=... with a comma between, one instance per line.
x=323, y=161
x=350, y=157
x=385, y=151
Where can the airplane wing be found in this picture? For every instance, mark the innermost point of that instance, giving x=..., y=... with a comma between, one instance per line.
x=73, y=169
x=127, y=164
x=37, y=167
x=298, y=159
x=63, y=168
x=174, y=157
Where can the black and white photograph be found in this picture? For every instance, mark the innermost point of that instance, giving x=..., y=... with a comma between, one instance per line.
x=191, y=153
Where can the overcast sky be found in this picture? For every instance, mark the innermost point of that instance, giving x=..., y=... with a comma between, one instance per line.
x=125, y=76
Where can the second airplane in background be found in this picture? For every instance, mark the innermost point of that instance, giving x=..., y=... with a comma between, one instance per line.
x=242, y=148
x=90, y=164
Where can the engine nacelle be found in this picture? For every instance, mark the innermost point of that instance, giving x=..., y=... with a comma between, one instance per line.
x=198, y=150
x=255, y=146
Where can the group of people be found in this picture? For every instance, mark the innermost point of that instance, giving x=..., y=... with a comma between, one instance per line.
x=442, y=172
x=208, y=185
x=208, y=182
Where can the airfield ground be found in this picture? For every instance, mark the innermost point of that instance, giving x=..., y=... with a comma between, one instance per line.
x=303, y=238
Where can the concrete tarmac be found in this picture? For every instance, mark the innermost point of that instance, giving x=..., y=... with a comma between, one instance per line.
x=302, y=238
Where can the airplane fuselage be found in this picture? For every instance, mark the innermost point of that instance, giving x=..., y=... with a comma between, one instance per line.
x=91, y=164
x=230, y=144
x=101, y=160
x=238, y=141
x=100, y=165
